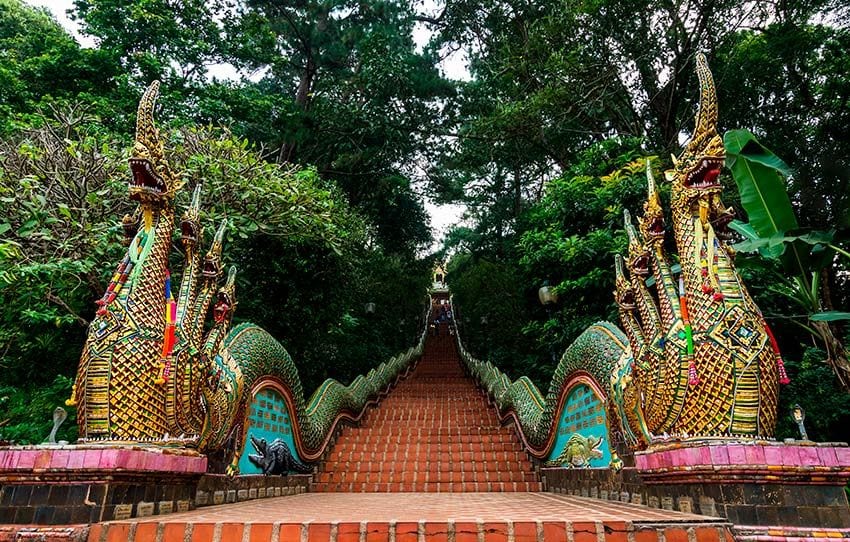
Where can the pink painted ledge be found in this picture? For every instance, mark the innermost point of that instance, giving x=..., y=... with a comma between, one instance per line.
x=100, y=458
x=734, y=454
x=779, y=533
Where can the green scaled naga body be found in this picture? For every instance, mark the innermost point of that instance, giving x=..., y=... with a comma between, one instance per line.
x=149, y=372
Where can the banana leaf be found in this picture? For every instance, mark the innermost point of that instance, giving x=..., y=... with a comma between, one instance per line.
x=829, y=316
x=760, y=176
x=754, y=242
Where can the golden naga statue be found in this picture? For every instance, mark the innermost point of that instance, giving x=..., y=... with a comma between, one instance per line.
x=704, y=363
x=118, y=392
x=148, y=372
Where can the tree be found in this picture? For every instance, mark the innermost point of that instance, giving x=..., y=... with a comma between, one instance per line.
x=155, y=39
x=41, y=64
x=358, y=98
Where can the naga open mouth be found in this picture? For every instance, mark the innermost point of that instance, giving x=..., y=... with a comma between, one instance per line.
x=640, y=265
x=211, y=268
x=656, y=227
x=720, y=223
x=704, y=175
x=221, y=307
x=627, y=300
x=146, y=183
x=188, y=232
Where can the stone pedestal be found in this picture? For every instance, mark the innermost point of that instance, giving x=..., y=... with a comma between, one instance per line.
x=81, y=484
x=769, y=490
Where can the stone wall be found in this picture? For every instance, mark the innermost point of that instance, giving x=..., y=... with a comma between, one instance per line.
x=742, y=503
x=219, y=489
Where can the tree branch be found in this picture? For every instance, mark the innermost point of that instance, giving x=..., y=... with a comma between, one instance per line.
x=58, y=301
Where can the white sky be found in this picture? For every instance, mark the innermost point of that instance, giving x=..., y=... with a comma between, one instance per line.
x=454, y=66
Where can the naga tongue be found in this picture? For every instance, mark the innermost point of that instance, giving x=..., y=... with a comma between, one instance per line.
x=711, y=176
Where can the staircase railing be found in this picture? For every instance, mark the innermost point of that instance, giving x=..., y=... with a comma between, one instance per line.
x=333, y=401
x=590, y=359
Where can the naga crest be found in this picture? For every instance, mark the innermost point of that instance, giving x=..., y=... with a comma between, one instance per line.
x=624, y=294
x=212, y=261
x=651, y=224
x=153, y=182
x=225, y=302
x=190, y=224
x=638, y=254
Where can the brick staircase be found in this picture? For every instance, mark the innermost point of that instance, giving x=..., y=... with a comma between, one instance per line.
x=435, y=432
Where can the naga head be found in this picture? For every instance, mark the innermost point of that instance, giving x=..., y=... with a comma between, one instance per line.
x=130, y=226
x=695, y=172
x=225, y=302
x=625, y=294
x=190, y=224
x=652, y=223
x=212, y=261
x=638, y=255
x=153, y=184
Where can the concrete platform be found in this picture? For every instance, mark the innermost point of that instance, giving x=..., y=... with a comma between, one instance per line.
x=414, y=517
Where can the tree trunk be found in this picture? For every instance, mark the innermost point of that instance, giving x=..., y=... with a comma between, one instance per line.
x=836, y=354
x=302, y=101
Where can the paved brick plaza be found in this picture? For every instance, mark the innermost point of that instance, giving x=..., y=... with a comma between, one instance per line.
x=374, y=517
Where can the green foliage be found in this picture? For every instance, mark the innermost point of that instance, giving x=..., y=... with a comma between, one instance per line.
x=787, y=83
x=40, y=65
x=568, y=238
x=491, y=310
x=814, y=387
x=359, y=100
x=261, y=197
x=154, y=39
x=573, y=233
x=759, y=176
x=26, y=414
x=60, y=199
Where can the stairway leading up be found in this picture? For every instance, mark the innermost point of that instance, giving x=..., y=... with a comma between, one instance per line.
x=435, y=432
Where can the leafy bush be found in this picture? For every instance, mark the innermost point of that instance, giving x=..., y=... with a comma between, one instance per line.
x=815, y=388
x=26, y=414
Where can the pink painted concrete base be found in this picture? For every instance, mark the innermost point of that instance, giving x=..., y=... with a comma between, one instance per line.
x=779, y=533
x=90, y=459
x=798, y=462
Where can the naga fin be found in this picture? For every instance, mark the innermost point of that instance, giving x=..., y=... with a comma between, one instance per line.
x=231, y=277
x=650, y=179
x=707, y=113
x=619, y=267
x=630, y=227
x=218, y=240
x=195, y=206
x=147, y=136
